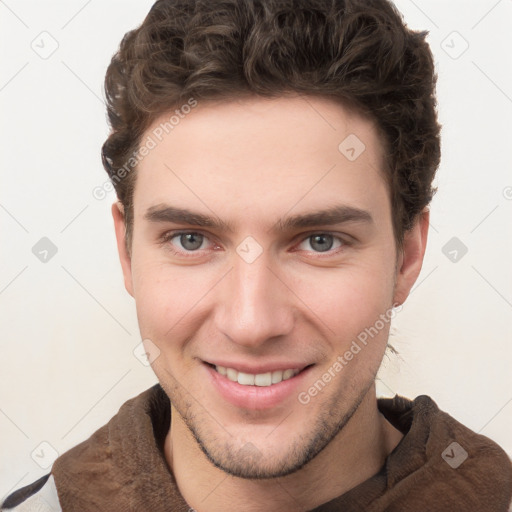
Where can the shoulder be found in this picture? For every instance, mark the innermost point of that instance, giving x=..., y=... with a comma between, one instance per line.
x=39, y=496
x=108, y=452
x=445, y=459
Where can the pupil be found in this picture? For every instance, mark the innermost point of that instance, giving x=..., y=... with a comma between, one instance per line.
x=321, y=243
x=191, y=241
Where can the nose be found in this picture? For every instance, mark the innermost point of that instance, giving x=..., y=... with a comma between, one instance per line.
x=255, y=304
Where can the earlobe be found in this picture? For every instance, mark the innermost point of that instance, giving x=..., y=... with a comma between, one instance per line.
x=124, y=257
x=411, y=257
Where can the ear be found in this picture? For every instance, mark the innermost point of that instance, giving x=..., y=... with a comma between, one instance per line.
x=124, y=257
x=410, y=259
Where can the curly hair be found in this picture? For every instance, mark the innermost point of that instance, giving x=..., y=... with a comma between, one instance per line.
x=357, y=52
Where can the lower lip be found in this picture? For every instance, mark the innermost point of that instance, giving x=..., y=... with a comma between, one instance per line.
x=255, y=397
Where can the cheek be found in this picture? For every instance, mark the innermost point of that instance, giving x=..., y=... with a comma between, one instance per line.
x=351, y=299
x=167, y=299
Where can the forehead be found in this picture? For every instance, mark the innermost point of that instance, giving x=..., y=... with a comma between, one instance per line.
x=261, y=155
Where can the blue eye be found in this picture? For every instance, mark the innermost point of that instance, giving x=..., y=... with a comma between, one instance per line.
x=189, y=242
x=321, y=242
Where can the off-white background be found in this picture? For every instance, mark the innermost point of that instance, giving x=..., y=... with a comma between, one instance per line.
x=68, y=328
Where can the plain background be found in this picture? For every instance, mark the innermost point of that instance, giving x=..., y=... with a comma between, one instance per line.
x=68, y=327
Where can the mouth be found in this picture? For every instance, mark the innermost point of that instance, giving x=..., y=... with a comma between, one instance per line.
x=262, y=390
x=265, y=379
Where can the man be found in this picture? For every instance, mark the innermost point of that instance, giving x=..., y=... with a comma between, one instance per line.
x=273, y=162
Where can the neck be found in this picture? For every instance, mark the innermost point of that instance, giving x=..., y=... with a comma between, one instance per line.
x=357, y=453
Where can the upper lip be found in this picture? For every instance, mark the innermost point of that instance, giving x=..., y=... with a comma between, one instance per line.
x=260, y=367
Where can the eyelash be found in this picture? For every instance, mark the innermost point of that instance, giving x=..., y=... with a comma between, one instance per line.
x=166, y=238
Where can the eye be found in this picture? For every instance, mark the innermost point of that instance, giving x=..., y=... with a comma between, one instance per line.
x=187, y=242
x=321, y=242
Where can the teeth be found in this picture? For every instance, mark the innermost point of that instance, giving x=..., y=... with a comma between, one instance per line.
x=277, y=376
x=247, y=379
x=263, y=379
x=260, y=379
x=287, y=374
x=231, y=374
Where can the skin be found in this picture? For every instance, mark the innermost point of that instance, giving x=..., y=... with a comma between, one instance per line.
x=249, y=163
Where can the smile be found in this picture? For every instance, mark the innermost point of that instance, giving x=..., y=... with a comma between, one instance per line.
x=258, y=379
x=263, y=388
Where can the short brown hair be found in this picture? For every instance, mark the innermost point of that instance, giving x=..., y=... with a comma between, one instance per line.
x=358, y=52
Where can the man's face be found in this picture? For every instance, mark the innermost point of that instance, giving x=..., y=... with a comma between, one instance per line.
x=261, y=245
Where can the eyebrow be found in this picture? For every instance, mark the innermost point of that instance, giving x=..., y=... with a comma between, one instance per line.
x=331, y=216
x=167, y=213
